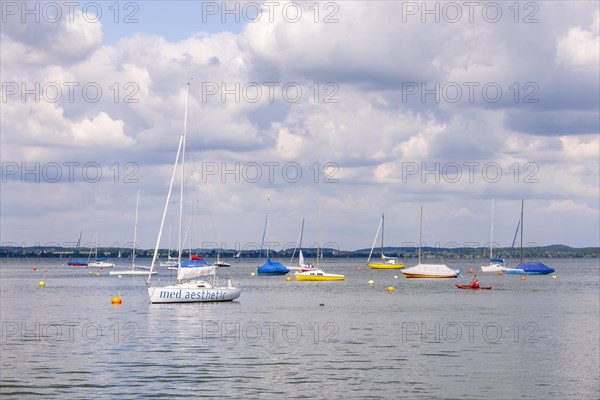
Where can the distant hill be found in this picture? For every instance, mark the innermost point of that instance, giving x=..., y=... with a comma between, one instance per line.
x=551, y=251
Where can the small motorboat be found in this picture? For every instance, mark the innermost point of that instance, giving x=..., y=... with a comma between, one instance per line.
x=473, y=288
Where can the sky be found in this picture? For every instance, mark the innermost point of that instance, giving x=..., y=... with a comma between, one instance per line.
x=337, y=112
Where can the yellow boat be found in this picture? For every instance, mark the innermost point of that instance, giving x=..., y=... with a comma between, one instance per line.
x=386, y=262
x=318, y=275
x=391, y=264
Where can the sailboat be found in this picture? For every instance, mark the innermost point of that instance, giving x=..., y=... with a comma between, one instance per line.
x=302, y=265
x=76, y=262
x=527, y=268
x=496, y=264
x=219, y=262
x=428, y=270
x=269, y=267
x=386, y=262
x=99, y=262
x=317, y=274
x=171, y=263
x=135, y=269
x=196, y=282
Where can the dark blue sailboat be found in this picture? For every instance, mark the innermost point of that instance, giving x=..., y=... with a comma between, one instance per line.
x=269, y=267
x=528, y=268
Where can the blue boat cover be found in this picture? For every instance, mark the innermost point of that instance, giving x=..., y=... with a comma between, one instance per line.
x=194, y=264
x=498, y=260
x=534, y=268
x=272, y=268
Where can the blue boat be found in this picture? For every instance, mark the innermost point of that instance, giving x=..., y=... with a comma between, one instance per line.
x=530, y=268
x=527, y=268
x=269, y=267
x=272, y=268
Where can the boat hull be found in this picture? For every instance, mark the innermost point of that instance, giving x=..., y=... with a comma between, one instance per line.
x=319, y=278
x=132, y=273
x=429, y=276
x=492, y=268
x=385, y=266
x=470, y=288
x=77, y=264
x=190, y=294
x=272, y=273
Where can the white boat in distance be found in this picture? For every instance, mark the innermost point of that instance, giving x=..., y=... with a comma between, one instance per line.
x=428, y=270
x=136, y=270
x=496, y=264
x=196, y=280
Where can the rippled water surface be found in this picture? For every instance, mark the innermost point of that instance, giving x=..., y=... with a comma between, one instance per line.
x=536, y=338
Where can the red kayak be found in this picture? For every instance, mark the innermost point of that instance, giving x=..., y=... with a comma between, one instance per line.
x=469, y=287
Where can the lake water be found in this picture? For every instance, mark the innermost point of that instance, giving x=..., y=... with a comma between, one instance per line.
x=532, y=339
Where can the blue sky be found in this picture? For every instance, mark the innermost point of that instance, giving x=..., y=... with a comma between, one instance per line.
x=355, y=108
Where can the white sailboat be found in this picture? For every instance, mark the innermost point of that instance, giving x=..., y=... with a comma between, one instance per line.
x=99, y=262
x=196, y=281
x=316, y=274
x=171, y=263
x=302, y=265
x=386, y=262
x=428, y=270
x=496, y=264
x=135, y=269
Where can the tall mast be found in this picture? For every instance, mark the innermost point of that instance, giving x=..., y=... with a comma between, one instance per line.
x=268, y=224
x=137, y=204
x=318, y=236
x=162, y=222
x=382, y=225
x=183, y=137
x=521, y=250
x=420, y=232
x=492, y=233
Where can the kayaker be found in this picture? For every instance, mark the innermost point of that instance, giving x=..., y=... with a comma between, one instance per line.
x=474, y=284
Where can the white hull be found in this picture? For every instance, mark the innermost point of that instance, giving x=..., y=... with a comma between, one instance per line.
x=132, y=273
x=100, y=264
x=221, y=264
x=492, y=268
x=192, y=292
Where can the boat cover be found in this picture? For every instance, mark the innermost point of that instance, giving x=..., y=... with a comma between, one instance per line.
x=534, y=268
x=272, y=268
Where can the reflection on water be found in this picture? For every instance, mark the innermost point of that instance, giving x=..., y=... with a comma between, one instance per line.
x=524, y=339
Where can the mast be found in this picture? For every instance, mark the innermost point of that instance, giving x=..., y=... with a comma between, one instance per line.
x=375, y=240
x=382, y=225
x=268, y=224
x=162, y=222
x=318, y=236
x=137, y=204
x=420, y=232
x=521, y=249
x=183, y=136
x=492, y=233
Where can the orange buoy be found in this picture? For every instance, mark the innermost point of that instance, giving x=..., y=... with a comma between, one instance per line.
x=116, y=300
x=522, y=278
x=470, y=270
x=500, y=272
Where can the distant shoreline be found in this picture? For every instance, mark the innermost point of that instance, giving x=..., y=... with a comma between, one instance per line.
x=551, y=251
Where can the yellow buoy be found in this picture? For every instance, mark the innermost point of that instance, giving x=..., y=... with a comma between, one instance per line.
x=90, y=273
x=522, y=278
x=97, y=273
x=390, y=289
x=116, y=300
x=288, y=279
x=371, y=282
x=42, y=284
x=252, y=274
x=500, y=272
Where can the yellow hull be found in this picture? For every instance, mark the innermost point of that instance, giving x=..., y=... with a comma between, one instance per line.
x=319, y=277
x=385, y=266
